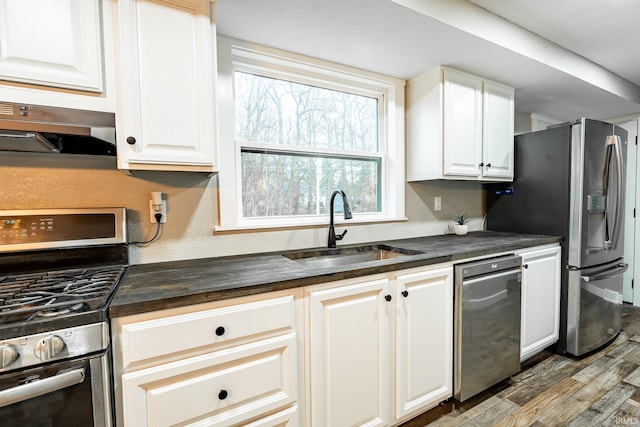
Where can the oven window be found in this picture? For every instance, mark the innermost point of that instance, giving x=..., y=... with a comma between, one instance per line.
x=69, y=406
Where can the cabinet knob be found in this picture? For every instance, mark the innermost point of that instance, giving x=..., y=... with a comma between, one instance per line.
x=481, y=164
x=131, y=140
x=405, y=293
x=525, y=265
x=222, y=395
x=387, y=297
x=488, y=165
x=220, y=331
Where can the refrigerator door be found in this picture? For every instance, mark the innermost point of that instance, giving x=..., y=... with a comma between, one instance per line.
x=596, y=216
x=594, y=309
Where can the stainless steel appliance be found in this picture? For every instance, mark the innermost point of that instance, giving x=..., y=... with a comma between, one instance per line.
x=58, y=272
x=487, y=323
x=569, y=181
x=42, y=129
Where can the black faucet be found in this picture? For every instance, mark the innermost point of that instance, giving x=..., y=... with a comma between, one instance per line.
x=347, y=215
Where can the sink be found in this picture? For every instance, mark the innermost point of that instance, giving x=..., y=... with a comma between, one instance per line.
x=324, y=258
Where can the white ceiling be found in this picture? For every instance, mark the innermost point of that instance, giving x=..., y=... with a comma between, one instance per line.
x=566, y=59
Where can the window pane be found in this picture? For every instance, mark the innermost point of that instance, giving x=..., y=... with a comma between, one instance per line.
x=275, y=184
x=281, y=112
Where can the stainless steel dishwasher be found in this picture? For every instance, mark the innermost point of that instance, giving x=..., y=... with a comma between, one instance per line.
x=487, y=323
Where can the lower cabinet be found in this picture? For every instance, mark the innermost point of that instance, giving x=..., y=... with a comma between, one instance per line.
x=540, y=317
x=371, y=336
x=216, y=365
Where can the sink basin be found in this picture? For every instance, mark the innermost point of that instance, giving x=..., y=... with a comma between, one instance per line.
x=324, y=258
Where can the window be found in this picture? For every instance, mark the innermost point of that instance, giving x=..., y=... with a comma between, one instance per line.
x=302, y=129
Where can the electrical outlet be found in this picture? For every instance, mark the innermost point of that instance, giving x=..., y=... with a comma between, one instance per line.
x=437, y=203
x=160, y=208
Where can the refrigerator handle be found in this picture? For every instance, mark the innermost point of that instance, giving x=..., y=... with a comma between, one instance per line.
x=613, y=144
x=617, y=271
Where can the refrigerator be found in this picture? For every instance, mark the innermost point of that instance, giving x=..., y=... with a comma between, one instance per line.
x=569, y=182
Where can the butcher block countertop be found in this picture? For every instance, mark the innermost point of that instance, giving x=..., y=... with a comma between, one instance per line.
x=158, y=286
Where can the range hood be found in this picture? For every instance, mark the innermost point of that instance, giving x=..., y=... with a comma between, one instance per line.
x=41, y=129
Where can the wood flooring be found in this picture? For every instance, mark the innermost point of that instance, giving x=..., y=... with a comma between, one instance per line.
x=601, y=389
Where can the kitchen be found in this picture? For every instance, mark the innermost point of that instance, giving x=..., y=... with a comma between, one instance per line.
x=192, y=228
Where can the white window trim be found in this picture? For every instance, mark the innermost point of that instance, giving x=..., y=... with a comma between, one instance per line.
x=264, y=59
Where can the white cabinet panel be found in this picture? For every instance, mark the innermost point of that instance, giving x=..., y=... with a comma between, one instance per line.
x=540, y=300
x=167, y=114
x=215, y=389
x=54, y=43
x=424, y=339
x=498, y=131
x=350, y=351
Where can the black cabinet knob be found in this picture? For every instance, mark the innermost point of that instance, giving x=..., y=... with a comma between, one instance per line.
x=387, y=297
x=525, y=265
x=488, y=165
x=220, y=331
x=405, y=293
x=481, y=164
x=222, y=395
x=131, y=140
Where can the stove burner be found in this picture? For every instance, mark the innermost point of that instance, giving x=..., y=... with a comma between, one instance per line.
x=57, y=293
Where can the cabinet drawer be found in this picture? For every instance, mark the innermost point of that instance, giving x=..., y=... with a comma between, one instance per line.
x=165, y=336
x=220, y=388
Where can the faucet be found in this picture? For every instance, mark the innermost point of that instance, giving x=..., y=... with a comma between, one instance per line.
x=347, y=215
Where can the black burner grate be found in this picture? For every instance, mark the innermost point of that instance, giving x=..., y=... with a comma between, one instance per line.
x=50, y=294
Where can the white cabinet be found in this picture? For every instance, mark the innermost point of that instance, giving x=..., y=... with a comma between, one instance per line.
x=424, y=333
x=166, y=109
x=459, y=126
x=540, y=300
x=372, y=335
x=53, y=52
x=54, y=43
x=216, y=364
x=350, y=353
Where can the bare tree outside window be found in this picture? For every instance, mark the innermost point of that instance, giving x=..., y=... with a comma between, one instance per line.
x=300, y=142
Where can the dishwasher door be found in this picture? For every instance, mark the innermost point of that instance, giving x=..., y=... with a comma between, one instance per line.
x=487, y=324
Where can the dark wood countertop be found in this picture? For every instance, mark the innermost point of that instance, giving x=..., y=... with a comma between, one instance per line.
x=158, y=286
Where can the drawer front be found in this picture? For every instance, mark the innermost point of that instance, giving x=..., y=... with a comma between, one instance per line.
x=221, y=388
x=165, y=336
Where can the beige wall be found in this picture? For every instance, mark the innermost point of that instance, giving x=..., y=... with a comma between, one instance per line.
x=30, y=181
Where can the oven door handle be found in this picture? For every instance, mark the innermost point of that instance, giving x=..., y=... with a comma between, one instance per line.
x=40, y=387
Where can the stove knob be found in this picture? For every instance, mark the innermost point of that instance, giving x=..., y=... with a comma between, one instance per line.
x=8, y=355
x=48, y=347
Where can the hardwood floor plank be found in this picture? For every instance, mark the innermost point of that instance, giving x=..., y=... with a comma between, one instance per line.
x=633, y=378
x=602, y=409
x=488, y=418
x=627, y=414
x=549, y=399
x=581, y=400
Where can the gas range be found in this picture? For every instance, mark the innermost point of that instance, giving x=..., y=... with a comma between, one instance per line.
x=59, y=270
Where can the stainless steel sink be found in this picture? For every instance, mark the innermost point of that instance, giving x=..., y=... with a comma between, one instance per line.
x=324, y=258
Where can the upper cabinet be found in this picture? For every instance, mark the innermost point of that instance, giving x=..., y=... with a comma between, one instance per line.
x=460, y=127
x=52, y=53
x=166, y=75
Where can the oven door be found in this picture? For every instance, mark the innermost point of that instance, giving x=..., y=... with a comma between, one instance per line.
x=69, y=393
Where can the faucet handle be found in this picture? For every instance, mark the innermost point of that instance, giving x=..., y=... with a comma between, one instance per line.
x=340, y=236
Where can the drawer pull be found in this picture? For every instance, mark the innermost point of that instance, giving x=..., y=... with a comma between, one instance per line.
x=387, y=297
x=405, y=293
x=223, y=394
x=220, y=331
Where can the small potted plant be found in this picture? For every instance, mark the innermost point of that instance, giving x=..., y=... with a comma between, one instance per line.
x=461, y=219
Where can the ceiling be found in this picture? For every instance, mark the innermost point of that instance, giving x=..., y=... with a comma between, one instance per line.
x=566, y=59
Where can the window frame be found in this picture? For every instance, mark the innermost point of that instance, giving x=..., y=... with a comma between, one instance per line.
x=235, y=55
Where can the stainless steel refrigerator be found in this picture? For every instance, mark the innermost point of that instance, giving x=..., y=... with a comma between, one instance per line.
x=569, y=181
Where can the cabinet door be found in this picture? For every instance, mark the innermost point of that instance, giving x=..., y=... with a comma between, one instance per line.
x=540, y=300
x=424, y=340
x=166, y=118
x=350, y=354
x=52, y=43
x=215, y=389
x=497, y=141
x=462, y=126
